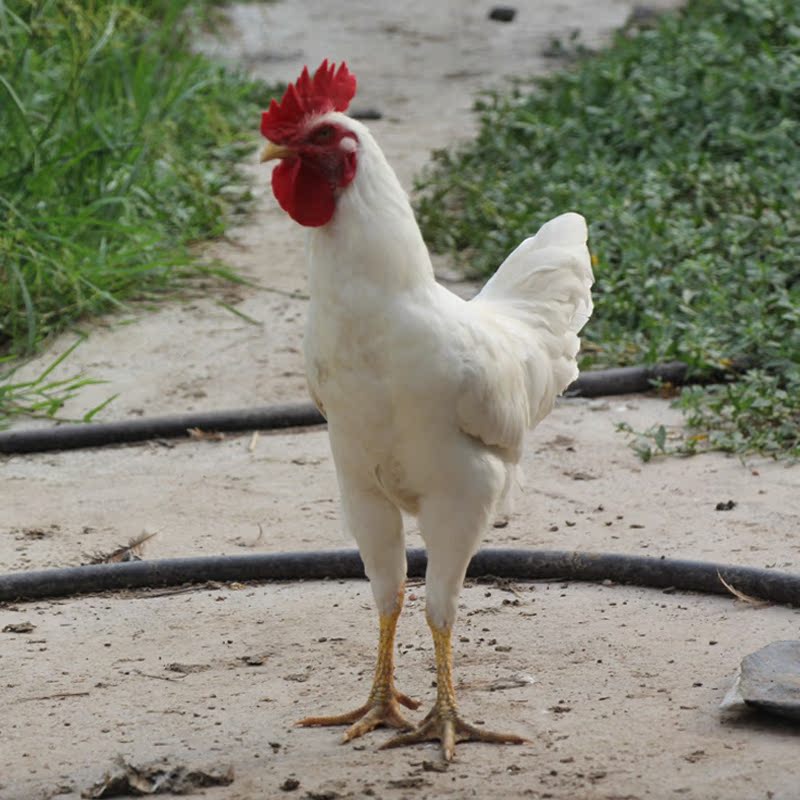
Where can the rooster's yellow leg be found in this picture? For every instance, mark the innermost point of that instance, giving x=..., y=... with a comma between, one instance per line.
x=383, y=705
x=443, y=721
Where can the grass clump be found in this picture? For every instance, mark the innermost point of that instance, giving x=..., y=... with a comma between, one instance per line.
x=119, y=150
x=44, y=396
x=680, y=145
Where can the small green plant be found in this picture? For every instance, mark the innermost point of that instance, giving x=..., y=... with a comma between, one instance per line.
x=680, y=145
x=658, y=441
x=42, y=396
x=759, y=413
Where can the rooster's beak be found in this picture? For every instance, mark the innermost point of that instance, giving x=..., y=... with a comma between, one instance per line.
x=273, y=150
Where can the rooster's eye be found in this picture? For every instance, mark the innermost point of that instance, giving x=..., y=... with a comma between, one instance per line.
x=322, y=135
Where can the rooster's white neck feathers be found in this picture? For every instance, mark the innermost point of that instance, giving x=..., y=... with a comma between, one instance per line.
x=373, y=236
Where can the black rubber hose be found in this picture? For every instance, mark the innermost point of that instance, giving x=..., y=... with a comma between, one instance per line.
x=696, y=576
x=596, y=383
x=98, y=434
x=626, y=380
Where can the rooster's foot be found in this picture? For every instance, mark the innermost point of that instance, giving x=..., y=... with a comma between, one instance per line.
x=446, y=726
x=375, y=712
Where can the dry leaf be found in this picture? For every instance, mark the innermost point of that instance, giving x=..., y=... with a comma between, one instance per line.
x=746, y=598
x=209, y=436
x=19, y=627
x=133, y=551
x=513, y=681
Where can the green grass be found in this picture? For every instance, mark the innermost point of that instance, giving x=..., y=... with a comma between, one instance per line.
x=120, y=150
x=43, y=396
x=680, y=145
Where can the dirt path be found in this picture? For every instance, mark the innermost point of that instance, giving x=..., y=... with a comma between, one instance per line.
x=620, y=687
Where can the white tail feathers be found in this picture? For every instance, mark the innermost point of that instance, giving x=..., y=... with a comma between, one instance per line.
x=549, y=275
x=544, y=290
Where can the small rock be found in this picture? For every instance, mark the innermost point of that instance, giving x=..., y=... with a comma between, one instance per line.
x=503, y=13
x=365, y=113
x=769, y=679
x=727, y=505
x=162, y=777
x=290, y=784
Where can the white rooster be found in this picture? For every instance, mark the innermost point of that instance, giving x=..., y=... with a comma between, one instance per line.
x=427, y=396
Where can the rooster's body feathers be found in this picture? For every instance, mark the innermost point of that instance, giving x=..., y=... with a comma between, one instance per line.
x=428, y=395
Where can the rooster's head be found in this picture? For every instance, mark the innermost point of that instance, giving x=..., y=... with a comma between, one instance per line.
x=317, y=149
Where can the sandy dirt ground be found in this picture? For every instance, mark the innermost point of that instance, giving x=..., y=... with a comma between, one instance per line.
x=617, y=688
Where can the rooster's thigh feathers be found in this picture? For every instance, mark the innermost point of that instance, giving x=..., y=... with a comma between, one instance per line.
x=452, y=523
x=377, y=526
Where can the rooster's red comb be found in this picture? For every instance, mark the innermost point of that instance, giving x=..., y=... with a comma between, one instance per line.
x=330, y=89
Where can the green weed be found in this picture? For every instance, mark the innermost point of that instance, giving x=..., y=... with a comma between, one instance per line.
x=42, y=396
x=120, y=148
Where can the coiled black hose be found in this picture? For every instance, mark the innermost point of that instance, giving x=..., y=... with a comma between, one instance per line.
x=596, y=383
x=663, y=573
